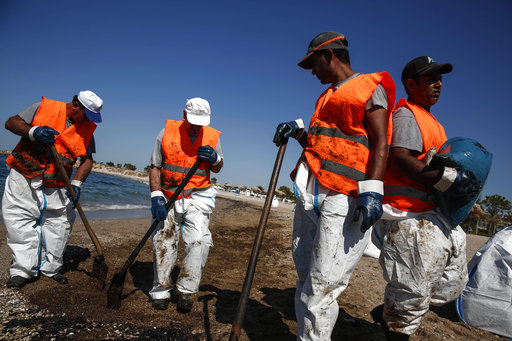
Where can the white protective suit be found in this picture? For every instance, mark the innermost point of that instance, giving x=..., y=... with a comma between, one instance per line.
x=423, y=261
x=326, y=247
x=486, y=301
x=190, y=218
x=38, y=222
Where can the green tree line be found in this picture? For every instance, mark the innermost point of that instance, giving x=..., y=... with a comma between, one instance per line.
x=489, y=215
x=128, y=166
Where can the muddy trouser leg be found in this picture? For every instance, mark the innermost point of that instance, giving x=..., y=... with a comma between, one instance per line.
x=20, y=210
x=198, y=241
x=58, y=219
x=455, y=274
x=337, y=247
x=166, y=238
x=305, y=224
x=413, y=259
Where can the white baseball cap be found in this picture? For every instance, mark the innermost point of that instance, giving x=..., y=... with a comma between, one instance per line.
x=198, y=111
x=92, y=104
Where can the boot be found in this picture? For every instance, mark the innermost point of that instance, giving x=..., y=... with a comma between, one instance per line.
x=376, y=314
x=60, y=278
x=392, y=336
x=16, y=282
x=185, y=302
x=160, y=304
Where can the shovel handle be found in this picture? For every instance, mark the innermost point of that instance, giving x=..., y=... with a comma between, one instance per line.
x=236, y=328
x=168, y=205
x=69, y=187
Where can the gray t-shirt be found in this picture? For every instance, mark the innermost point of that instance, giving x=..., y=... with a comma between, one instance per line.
x=406, y=132
x=157, y=156
x=30, y=112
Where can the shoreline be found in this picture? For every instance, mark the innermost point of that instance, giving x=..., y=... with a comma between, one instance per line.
x=121, y=172
x=145, y=213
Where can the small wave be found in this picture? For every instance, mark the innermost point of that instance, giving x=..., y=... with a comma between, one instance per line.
x=114, y=207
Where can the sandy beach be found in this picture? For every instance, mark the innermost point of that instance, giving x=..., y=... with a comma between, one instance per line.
x=77, y=311
x=122, y=172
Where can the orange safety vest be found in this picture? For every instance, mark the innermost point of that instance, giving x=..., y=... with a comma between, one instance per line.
x=400, y=191
x=180, y=155
x=32, y=158
x=338, y=148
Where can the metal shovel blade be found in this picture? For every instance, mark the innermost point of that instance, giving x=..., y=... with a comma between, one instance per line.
x=115, y=290
x=99, y=271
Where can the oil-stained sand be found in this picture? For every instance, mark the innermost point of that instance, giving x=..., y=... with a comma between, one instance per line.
x=270, y=312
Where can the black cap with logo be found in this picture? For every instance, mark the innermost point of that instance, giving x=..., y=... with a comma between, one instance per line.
x=423, y=66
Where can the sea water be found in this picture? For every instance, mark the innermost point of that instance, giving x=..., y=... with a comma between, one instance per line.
x=105, y=196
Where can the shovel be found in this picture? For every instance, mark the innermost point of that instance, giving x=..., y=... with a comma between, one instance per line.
x=236, y=328
x=99, y=268
x=116, y=286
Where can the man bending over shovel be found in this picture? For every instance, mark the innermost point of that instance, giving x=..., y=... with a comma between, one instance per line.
x=176, y=149
x=38, y=214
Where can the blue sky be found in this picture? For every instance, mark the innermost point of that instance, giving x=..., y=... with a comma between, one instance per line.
x=145, y=58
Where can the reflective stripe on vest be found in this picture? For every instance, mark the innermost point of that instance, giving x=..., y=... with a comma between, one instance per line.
x=335, y=132
x=408, y=192
x=338, y=148
x=184, y=170
x=400, y=191
x=52, y=178
x=180, y=154
x=33, y=159
x=343, y=170
x=24, y=164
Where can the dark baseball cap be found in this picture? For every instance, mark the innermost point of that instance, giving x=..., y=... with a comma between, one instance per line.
x=323, y=41
x=423, y=65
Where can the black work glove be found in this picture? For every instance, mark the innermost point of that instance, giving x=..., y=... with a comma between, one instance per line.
x=459, y=184
x=284, y=131
x=45, y=135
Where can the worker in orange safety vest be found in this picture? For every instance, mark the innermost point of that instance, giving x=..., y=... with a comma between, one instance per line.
x=422, y=256
x=176, y=149
x=338, y=179
x=37, y=209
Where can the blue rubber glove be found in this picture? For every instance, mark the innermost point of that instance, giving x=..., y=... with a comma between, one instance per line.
x=459, y=184
x=158, y=209
x=284, y=131
x=369, y=203
x=76, y=197
x=207, y=153
x=45, y=135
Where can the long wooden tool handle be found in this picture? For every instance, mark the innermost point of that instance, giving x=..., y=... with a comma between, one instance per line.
x=155, y=223
x=236, y=328
x=88, y=227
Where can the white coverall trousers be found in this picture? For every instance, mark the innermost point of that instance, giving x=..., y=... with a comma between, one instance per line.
x=424, y=262
x=326, y=249
x=190, y=218
x=38, y=222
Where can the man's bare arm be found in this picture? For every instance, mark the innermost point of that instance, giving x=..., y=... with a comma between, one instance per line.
x=17, y=125
x=377, y=125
